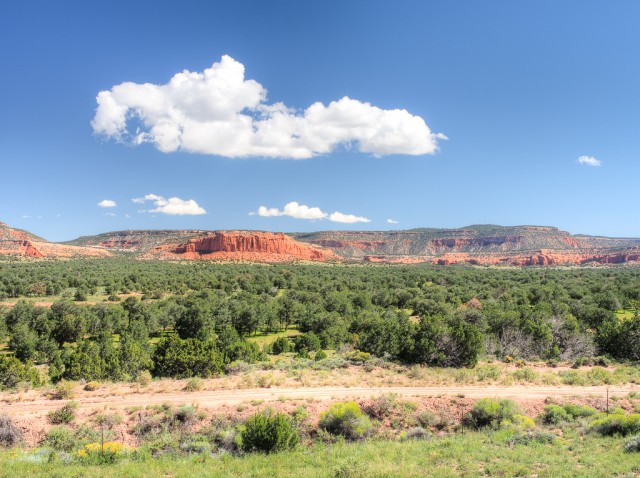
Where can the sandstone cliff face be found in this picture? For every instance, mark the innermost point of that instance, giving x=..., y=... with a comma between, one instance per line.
x=243, y=246
x=19, y=248
x=16, y=242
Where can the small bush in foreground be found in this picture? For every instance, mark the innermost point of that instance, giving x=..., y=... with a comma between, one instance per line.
x=491, y=413
x=268, y=433
x=633, y=445
x=530, y=437
x=60, y=439
x=66, y=414
x=382, y=406
x=109, y=452
x=616, y=424
x=426, y=418
x=10, y=434
x=345, y=419
x=416, y=433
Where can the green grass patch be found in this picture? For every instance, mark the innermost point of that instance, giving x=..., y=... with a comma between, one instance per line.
x=265, y=339
x=470, y=455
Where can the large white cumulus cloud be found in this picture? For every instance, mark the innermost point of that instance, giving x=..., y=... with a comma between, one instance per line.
x=219, y=112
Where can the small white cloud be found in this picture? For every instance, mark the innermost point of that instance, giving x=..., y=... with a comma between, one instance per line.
x=172, y=206
x=107, y=203
x=127, y=216
x=24, y=216
x=293, y=209
x=110, y=214
x=392, y=221
x=300, y=211
x=269, y=211
x=347, y=218
x=219, y=112
x=589, y=161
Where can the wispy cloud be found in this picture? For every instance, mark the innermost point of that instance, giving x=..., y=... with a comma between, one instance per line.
x=392, y=221
x=219, y=112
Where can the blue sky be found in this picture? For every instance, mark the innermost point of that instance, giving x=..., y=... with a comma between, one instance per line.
x=521, y=91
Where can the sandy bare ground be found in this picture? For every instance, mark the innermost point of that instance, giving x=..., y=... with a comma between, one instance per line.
x=218, y=398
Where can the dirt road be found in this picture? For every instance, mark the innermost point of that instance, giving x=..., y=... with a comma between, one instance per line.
x=217, y=398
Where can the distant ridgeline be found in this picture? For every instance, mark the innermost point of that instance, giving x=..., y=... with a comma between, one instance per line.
x=477, y=244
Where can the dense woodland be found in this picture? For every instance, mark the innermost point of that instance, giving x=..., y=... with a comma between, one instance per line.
x=193, y=319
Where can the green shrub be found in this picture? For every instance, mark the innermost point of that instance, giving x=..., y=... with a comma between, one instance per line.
x=320, y=355
x=177, y=358
x=599, y=375
x=60, y=439
x=426, y=418
x=358, y=356
x=616, y=424
x=92, y=386
x=571, y=377
x=309, y=342
x=66, y=414
x=382, y=406
x=281, y=345
x=488, y=372
x=633, y=445
x=345, y=419
x=579, y=411
x=491, y=413
x=520, y=422
x=144, y=378
x=108, y=420
x=193, y=385
x=185, y=415
x=554, y=415
x=64, y=391
x=10, y=434
x=529, y=437
x=525, y=374
x=416, y=433
x=268, y=433
x=13, y=372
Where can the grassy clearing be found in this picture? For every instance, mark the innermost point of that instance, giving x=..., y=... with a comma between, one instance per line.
x=624, y=314
x=263, y=339
x=473, y=454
